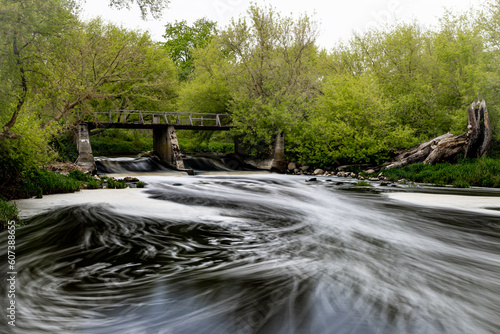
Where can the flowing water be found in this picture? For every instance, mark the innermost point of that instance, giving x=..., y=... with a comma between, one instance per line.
x=254, y=253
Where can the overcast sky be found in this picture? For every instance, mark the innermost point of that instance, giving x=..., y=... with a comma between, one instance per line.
x=338, y=18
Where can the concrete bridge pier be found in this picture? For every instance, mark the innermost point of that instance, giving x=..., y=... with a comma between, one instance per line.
x=275, y=160
x=278, y=162
x=166, y=147
x=85, y=158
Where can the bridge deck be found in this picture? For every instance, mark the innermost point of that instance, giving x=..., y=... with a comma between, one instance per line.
x=138, y=119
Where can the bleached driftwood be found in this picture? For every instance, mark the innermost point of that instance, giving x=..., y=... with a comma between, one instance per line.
x=475, y=143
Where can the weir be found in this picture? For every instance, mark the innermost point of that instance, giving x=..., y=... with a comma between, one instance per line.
x=163, y=124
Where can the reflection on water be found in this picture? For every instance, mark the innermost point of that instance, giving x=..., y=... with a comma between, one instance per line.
x=257, y=254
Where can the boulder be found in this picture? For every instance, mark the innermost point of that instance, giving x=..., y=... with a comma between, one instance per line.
x=370, y=171
x=304, y=168
x=319, y=171
x=130, y=179
x=292, y=166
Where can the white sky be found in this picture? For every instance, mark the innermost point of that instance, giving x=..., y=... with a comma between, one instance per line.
x=337, y=18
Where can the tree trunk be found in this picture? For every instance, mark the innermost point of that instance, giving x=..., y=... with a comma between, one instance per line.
x=475, y=143
x=479, y=132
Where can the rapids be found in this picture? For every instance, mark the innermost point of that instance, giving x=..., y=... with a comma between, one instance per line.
x=255, y=253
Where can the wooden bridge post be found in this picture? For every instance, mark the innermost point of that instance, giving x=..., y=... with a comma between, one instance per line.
x=166, y=146
x=85, y=158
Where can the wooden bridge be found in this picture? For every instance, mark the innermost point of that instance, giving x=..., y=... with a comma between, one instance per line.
x=163, y=124
x=139, y=119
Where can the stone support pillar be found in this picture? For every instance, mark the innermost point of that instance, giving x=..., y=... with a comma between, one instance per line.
x=85, y=158
x=166, y=147
x=278, y=162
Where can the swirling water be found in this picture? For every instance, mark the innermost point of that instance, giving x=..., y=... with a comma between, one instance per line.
x=255, y=254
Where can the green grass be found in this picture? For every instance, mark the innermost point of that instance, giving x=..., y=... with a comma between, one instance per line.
x=483, y=172
x=39, y=182
x=363, y=184
x=140, y=184
x=113, y=184
x=8, y=212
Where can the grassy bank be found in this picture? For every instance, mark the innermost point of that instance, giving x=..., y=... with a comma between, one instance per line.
x=483, y=172
x=35, y=182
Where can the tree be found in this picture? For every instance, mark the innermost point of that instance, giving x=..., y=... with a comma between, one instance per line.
x=29, y=29
x=350, y=123
x=272, y=75
x=183, y=39
x=147, y=7
x=104, y=66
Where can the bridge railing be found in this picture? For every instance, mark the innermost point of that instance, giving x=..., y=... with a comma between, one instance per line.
x=153, y=117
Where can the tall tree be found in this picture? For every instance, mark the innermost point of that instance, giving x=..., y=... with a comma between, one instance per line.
x=104, y=66
x=273, y=77
x=29, y=29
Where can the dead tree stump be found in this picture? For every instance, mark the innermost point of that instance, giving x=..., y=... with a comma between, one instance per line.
x=479, y=132
x=475, y=143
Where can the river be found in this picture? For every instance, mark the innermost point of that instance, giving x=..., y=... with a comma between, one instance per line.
x=253, y=252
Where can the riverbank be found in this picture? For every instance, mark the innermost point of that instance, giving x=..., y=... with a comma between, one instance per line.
x=466, y=173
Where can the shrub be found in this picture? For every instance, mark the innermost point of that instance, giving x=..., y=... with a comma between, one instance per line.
x=8, y=211
x=483, y=172
x=363, y=184
x=140, y=184
x=38, y=182
x=116, y=184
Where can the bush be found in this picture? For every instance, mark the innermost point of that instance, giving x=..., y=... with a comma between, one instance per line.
x=38, y=182
x=483, y=172
x=8, y=211
x=116, y=184
x=210, y=147
x=363, y=184
x=113, y=142
x=140, y=184
x=80, y=176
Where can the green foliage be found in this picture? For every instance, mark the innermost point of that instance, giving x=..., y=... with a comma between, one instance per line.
x=363, y=184
x=103, y=66
x=140, y=184
x=483, y=172
x=271, y=74
x=8, y=212
x=206, y=147
x=114, y=142
x=39, y=182
x=383, y=91
x=64, y=145
x=351, y=123
x=207, y=90
x=80, y=176
x=113, y=184
x=183, y=39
